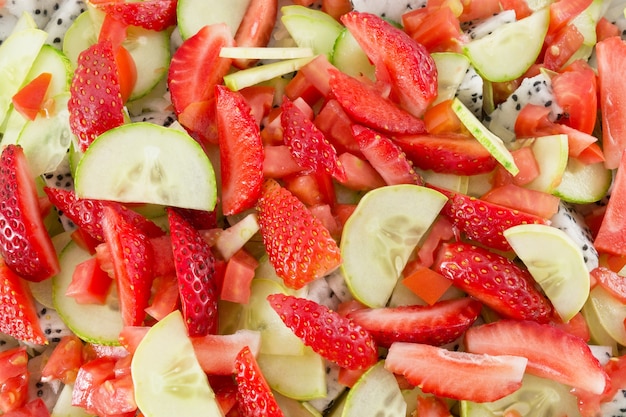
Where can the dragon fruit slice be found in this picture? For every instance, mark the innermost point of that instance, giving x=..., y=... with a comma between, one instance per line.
x=7, y=23
x=64, y=14
x=478, y=28
x=569, y=220
x=470, y=92
x=389, y=9
x=40, y=10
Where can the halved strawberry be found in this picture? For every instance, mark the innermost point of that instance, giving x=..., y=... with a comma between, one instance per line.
x=335, y=337
x=24, y=242
x=447, y=153
x=87, y=213
x=132, y=257
x=308, y=145
x=386, y=157
x=552, y=353
x=18, y=316
x=149, y=14
x=456, y=375
x=241, y=151
x=482, y=221
x=400, y=61
x=365, y=104
x=495, y=280
x=195, y=269
x=95, y=103
x=298, y=245
x=256, y=27
x=438, y=324
x=196, y=67
x=255, y=398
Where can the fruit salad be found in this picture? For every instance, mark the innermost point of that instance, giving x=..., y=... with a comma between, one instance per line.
x=307, y=208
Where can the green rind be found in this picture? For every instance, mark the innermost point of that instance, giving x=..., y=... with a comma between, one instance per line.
x=583, y=183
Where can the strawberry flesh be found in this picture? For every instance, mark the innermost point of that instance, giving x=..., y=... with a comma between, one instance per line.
x=149, y=14
x=254, y=396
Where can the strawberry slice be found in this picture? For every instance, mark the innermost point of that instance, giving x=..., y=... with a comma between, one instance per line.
x=365, y=104
x=95, y=103
x=308, y=145
x=196, y=66
x=333, y=336
x=495, y=280
x=482, y=221
x=241, y=151
x=552, y=353
x=298, y=245
x=149, y=14
x=456, y=375
x=132, y=257
x=438, y=324
x=255, y=398
x=24, y=242
x=256, y=27
x=18, y=315
x=386, y=157
x=399, y=60
x=447, y=153
x=195, y=269
x=87, y=213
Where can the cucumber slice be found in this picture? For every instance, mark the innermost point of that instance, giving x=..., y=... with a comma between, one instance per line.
x=583, y=183
x=376, y=393
x=556, y=263
x=54, y=61
x=598, y=334
x=17, y=55
x=240, y=52
x=147, y=163
x=511, y=49
x=451, y=68
x=256, y=75
x=349, y=57
x=311, y=28
x=194, y=14
x=42, y=290
x=491, y=142
x=167, y=377
x=46, y=140
x=610, y=313
x=537, y=397
x=551, y=153
x=91, y=322
x=150, y=50
x=380, y=235
x=307, y=383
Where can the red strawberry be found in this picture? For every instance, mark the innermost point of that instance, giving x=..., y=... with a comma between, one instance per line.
x=552, y=353
x=88, y=213
x=438, y=324
x=335, y=337
x=24, y=242
x=447, y=153
x=405, y=64
x=456, y=375
x=132, y=257
x=256, y=27
x=386, y=157
x=307, y=143
x=195, y=269
x=255, y=398
x=149, y=14
x=495, y=280
x=241, y=152
x=18, y=315
x=482, y=221
x=95, y=103
x=298, y=245
x=196, y=67
x=365, y=104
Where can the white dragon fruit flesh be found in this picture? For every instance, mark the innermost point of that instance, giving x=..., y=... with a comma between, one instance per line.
x=477, y=29
x=533, y=90
x=62, y=18
x=388, y=9
x=470, y=92
x=569, y=220
x=40, y=10
x=62, y=178
x=334, y=389
x=7, y=23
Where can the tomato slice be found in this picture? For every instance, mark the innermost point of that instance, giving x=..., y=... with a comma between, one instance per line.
x=29, y=100
x=65, y=360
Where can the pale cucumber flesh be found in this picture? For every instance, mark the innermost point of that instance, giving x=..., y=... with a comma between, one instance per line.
x=194, y=14
x=349, y=57
x=583, y=183
x=451, y=68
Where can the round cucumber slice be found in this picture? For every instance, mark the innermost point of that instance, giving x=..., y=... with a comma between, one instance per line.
x=583, y=183
x=94, y=323
x=376, y=393
x=167, y=377
x=150, y=49
x=610, y=313
x=147, y=163
x=386, y=226
x=537, y=397
x=556, y=263
x=511, y=49
x=194, y=14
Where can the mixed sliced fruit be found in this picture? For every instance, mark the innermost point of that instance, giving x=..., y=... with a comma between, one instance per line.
x=312, y=208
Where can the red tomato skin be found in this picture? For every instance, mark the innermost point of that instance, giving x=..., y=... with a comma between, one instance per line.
x=610, y=238
x=238, y=277
x=90, y=284
x=65, y=360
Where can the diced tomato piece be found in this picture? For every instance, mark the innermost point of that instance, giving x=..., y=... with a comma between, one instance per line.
x=335, y=123
x=90, y=376
x=563, y=11
x=302, y=87
x=33, y=408
x=524, y=199
x=610, y=238
x=440, y=231
x=562, y=47
x=115, y=396
x=479, y=9
x=438, y=29
x=575, y=89
x=605, y=29
x=126, y=72
x=199, y=119
x=260, y=98
x=427, y=284
x=577, y=326
x=360, y=174
x=521, y=7
x=611, y=281
x=238, y=277
x=216, y=353
x=65, y=360
x=317, y=73
x=166, y=296
x=431, y=406
x=440, y=118
x=306, y=188
x=90, y=284
x=349, y=377
x=278, y=162
x=527, y=163
x=131, y=336
x=113, y=30
x=29, y=100
x=336, y=8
